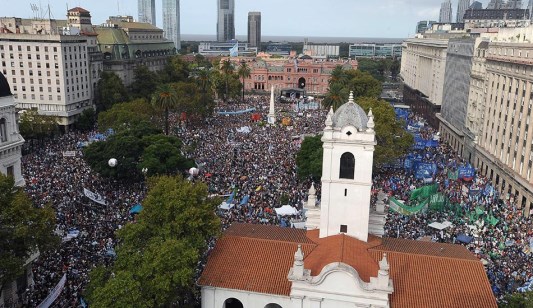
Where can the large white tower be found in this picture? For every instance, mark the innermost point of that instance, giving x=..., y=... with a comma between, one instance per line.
x=349, y=141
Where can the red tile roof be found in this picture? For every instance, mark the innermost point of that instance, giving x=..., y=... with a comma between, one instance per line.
x=258, y=258
x=78, y=9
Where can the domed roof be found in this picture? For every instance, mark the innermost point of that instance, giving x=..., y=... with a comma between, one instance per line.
x=350, y=114
x=5, y=90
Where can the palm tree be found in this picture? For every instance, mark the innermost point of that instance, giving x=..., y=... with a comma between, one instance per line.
x=338, y=75
x=165, y=98
x=335, y=97
x=244, y=72
x=227, y=70
x=204, y=79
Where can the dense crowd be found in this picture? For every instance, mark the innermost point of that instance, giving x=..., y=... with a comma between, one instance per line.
x=253, y=164
x=256, y=161
x=58, y=180
x=504, y=248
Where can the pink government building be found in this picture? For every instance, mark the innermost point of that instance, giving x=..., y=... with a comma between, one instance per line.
x=305, y=73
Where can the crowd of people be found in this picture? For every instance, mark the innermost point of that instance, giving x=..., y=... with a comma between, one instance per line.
x=503, y=245
x=53, y=178
x=252, y=165
x=256, y=161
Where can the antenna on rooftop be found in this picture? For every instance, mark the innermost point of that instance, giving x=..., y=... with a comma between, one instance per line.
x=35, y=10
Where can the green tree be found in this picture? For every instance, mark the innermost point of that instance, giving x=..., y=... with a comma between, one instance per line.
x=109, y=90
x=162, y=156
x=373, y=67
x=363, y=84
x=33, y=125
x=338, y=76
x=243, y=72
x=309, y=158
x=395, y=68
x=336, y=96
x=518, y=300
x=226, y=86
x=228, y=71
x=86, y=120
x=126, y=149
x=392, y=139
x=165, y=98
x=158, y=255
x=124, y=116
x=175, y=70
x=24, y=230
x=144, y=83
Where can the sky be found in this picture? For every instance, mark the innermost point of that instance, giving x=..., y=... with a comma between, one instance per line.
x=314, y=18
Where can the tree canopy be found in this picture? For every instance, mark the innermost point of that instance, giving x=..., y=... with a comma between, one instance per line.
x=124, y=116
x=144, y=83
x=24, y=229
x=109, y=90
x=309, y=158
x=136, y=149
x=392, y=139
x=158, y=256
x=32, y=125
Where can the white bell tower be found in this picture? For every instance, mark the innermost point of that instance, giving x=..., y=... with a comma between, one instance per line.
x=349, y=141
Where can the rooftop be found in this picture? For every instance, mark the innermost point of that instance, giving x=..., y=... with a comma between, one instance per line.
x=257, y=258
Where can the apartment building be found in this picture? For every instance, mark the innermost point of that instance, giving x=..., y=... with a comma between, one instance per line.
x=48, y=64
x=506, y=141
x=422, y=70
x=50, y=72
x=456, y=91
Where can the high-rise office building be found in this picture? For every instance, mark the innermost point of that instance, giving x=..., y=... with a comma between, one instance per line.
x=226, y=20
x=171, y=21
x=424, y=25
x=146, y=9
x=462, y=6
x=476, y=5
x=514, y=4
x=446, y=12
x=254, y=29
x=496, y=4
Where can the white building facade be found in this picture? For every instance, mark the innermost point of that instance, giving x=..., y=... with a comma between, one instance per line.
x=10, y=139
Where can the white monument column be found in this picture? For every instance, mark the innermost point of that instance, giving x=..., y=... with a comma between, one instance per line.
x=272, y=111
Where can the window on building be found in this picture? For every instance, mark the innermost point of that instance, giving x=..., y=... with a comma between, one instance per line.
x=3, y=130
x=344, y=229
x=347, y=166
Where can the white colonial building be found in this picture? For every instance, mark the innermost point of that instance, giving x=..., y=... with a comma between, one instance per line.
x=340, y=261
x=10, y=139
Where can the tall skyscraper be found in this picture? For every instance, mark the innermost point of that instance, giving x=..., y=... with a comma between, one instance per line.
x=462, y=6
x=254, y=29
x=446, y=12
x=514, y=4
x=496, y=4
x=171, y=21
x=146, y=9
x=476, y=5
x=226, y=20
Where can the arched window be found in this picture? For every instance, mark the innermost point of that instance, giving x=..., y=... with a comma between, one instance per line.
x=3, y=130
x=347, y=166
x=232, y=303
x=272, y=305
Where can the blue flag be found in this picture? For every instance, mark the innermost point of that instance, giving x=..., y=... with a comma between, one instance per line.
x=234, y=51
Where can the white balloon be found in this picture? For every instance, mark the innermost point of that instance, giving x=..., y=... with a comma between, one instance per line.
x=193, y=171
x=112, y=162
